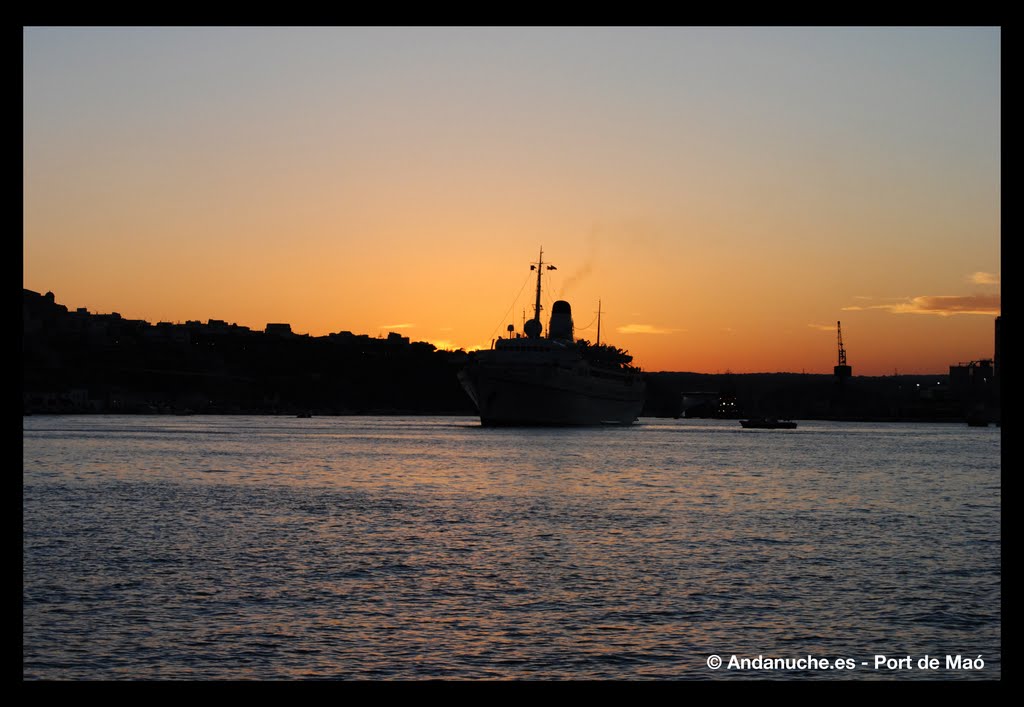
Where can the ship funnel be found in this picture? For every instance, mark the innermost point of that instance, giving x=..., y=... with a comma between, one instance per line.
x=561, y=321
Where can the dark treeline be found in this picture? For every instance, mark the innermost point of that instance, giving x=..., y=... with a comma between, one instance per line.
x=75, y=361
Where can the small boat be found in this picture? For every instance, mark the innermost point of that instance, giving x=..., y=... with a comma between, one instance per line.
x=977, y=418
x=768, y=423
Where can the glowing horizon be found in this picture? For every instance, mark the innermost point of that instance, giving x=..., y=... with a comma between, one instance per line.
x=727, y=194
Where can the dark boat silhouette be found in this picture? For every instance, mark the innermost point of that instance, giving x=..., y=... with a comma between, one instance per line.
x=768, y=423
x=529, y=379
x=977, y=418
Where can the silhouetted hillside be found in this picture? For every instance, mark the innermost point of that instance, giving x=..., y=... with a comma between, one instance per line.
x=82, y=362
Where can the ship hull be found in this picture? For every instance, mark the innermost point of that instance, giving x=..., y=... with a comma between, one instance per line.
x=762, y=424
x=547, y=395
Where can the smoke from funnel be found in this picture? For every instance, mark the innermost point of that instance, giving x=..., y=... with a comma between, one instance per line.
x=583, y=272
x=576, y=277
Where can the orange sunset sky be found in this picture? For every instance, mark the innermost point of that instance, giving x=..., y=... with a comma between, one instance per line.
x=727, y=194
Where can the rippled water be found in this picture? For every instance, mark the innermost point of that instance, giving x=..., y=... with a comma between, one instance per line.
x=415, y=548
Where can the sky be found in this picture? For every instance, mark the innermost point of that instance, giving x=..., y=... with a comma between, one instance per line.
x=726, y=194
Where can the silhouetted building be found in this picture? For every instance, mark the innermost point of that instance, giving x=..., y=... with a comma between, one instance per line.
x=973, y=385
x=166, y=332
x=279, y=329
x=972, y=377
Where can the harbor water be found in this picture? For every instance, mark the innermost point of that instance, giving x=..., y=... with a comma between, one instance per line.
x=409, y=548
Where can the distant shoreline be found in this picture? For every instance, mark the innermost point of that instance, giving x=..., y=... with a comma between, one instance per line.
x=76, y=362
x=913, y=420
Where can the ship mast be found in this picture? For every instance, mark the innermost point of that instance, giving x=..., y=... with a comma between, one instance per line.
x=533, y=330
x=599, y=322
x=540, y=268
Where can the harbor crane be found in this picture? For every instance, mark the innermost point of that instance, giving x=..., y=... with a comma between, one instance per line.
x=842, y=371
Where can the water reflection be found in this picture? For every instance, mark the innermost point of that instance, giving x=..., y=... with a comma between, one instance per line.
x=404, y=548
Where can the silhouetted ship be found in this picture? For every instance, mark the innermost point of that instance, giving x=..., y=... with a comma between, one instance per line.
x=768, y=423
x=528, y=379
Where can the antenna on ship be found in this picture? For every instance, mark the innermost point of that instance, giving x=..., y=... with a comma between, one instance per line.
x=533, y=327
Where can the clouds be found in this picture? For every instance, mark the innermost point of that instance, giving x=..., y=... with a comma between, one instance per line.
x=644, y=329
x=983, y=278
x=941, y=305
x=984, y=301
